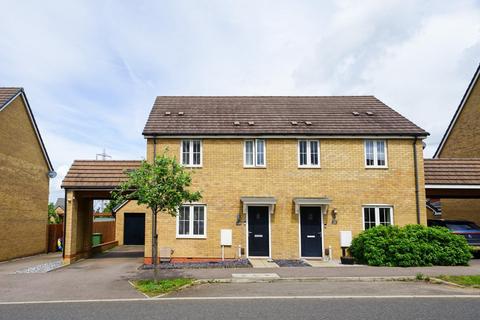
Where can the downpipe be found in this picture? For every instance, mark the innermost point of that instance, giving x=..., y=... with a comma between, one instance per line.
x=417, y=189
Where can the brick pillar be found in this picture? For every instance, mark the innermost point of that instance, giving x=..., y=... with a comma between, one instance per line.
x=148, y=238
x=70, y=245
x=79, y=225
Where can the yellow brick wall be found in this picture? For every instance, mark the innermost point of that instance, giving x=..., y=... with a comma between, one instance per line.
x=464, y=142
x=464, y=138
x=342, y=178
x=23, y=185
x=130, y=207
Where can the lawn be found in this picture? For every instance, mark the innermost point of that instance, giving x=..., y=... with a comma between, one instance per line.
x=467, y=281
x=154, y=288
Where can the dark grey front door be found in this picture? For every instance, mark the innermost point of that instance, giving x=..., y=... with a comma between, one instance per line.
x=311, y=231
x=258, y=232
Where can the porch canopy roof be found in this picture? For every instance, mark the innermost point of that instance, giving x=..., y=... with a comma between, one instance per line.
x=98, y=176
x=310, y=202
x=452, y=178
x=258, y=201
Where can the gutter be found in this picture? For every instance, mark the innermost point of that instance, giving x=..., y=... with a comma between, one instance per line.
x=64, y=225
x=417, y=189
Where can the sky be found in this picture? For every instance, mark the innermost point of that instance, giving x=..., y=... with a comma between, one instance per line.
x=92, y=69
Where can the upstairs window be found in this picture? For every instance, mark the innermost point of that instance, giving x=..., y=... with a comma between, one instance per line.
x=191, y=153
x=191, y=221
x=376, y=153
x=254, y=153
x=377, y=215
x=308, y=153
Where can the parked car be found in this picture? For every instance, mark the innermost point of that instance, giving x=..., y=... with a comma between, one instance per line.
x=468, y=229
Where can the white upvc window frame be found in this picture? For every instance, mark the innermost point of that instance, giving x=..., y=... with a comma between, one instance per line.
x=255, y=153
x=377, y=208
x=309, y=154
x=375, y=153
x=191, y=217
x=190, y=153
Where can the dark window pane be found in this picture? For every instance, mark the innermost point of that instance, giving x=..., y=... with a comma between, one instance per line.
x=249, y=153
x=314, y=153
x=303, y=153
x=186, y=152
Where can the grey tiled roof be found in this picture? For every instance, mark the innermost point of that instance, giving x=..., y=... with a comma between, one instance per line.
x=328, y=115
x=6, y=94
x=60, y=203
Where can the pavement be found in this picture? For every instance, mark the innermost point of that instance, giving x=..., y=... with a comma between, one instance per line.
x=328, y=271
x=323, y=288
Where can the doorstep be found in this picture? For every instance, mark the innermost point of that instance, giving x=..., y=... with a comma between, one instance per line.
x=262, y=263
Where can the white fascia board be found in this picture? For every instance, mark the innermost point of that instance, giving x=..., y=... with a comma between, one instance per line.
x=282, y=137
x=452, y=186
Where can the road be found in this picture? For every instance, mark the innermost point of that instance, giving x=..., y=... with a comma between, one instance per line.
x=257, y=308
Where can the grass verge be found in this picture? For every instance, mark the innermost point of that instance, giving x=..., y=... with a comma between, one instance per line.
x=467, y=281
x=154, y=288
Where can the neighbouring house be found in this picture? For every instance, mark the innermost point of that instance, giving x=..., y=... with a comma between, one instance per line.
x=60, y=207
x=281, y=177
x=453, y=175
x=24, y=170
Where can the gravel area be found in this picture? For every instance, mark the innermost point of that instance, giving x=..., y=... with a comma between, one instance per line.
x=291, y=263
x=243, y=263
x=42, y=268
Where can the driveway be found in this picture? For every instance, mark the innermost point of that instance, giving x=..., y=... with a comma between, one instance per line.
x=102, y=277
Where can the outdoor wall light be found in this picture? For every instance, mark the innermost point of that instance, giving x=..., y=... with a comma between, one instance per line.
x=334, y=216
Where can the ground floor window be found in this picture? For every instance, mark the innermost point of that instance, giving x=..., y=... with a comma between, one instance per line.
x=377, y=215
x=191, y=221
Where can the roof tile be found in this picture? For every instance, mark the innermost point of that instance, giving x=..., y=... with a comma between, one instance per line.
x=328, y=115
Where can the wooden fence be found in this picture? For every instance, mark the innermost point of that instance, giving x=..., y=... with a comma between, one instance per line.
x=106, y=228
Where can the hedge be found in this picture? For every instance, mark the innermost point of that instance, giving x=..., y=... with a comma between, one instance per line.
x=409, y=246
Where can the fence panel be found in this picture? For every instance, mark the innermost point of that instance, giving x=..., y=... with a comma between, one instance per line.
x=106, y=228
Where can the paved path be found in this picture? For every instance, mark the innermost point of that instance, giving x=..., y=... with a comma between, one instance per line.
x=265, y=309
x=307, y=272
x=324, y=288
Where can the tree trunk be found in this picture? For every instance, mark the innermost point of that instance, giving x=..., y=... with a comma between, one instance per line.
x=154, y=244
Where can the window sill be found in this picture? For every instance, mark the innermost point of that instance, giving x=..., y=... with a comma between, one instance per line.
x=374, y=167
x=185, y=166
x=191, y=237
x=309, y=167
x=259, y=167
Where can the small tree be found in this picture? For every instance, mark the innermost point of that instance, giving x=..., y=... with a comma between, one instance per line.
x=162, y=186
x=53, y=217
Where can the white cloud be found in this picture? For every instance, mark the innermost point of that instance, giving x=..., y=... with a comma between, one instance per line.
x=92, y=69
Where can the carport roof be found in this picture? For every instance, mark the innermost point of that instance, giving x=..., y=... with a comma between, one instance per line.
x=98, y=174
x=452, y=172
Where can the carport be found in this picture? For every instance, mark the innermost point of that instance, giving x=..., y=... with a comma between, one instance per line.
x=86, y=181
x=453, y=179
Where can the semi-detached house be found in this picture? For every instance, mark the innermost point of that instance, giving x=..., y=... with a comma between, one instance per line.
x=282, y=175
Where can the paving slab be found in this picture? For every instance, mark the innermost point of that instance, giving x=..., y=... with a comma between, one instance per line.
x=262, y=263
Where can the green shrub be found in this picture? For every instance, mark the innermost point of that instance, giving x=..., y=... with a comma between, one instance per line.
x=409, y=246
